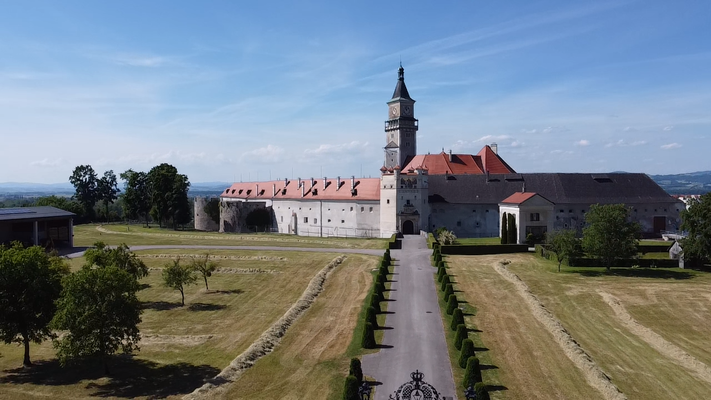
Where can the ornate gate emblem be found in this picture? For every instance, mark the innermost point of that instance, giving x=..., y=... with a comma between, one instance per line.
x=416, y=389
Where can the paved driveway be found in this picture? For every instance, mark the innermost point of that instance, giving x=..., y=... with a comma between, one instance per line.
x=416, y=340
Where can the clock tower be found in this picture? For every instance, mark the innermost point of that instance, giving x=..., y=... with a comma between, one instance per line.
x=401, y=126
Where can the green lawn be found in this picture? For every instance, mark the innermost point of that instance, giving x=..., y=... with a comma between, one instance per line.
x=478, y=241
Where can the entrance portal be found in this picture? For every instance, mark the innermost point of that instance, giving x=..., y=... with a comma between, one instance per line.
x=408, y=228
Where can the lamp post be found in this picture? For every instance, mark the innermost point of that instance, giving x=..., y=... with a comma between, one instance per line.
x=364, y=391
x=470, y=393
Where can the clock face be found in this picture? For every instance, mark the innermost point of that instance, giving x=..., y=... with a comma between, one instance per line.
x=407, y=110
x=393, y=111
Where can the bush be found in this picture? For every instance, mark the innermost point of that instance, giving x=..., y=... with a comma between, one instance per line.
x=481, y=392
x=472, y=375
x=369, y=336
x=467, y=351
x=461, y=335
x=437, y=257
x=356, y=370
x=452, y=304
x=375, y=302
x=379, y=289
x=449, y=290
x=457, y=318
x=371, y=316
x=381, y=278
x=440, y=274
x=441, y=264
x=445, y=282
x=350, y=392
x=447, y=237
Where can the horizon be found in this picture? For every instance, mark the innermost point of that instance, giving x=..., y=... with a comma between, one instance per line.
x=230, y=93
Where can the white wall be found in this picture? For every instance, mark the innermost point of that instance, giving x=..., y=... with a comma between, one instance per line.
x=328, y=218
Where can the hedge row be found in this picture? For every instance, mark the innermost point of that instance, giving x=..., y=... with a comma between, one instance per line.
x=477, y=250
x=544, y=252
x=467, y=356
x=394, y=243
x=377, y=294
x=353, y=380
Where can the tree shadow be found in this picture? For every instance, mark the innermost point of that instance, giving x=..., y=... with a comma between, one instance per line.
x=474, y=330
x=130, y=377
x=495, y=388
x=384, y=346
x=484, y=367
x=206, y=307
x=160, y=305
x=386, y=312
x=231, y=291
x=144, y=286
x=383, y=328
x=637, y=273
x=479, y=349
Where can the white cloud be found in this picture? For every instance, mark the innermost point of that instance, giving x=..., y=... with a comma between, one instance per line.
x=267, y=154
x=670, y=146
x=517, y=143
x=668, y=128
x=546, y=130
x=329, y=149
x=623, y=143
x=582, y=143
x=47, y=163
x=630, y=129
x=558, y=151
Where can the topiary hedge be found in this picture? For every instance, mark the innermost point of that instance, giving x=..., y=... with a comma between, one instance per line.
x=462, y=334
x=445, y=282
x=457, y=319
x=472, y=375
x=368, y=336
x=440, y=274
x=449, y=290
x=350, y=392
x=481, y=392
x=452, y=304
x=467, y=351
x=356, y=370
x=371, y=316
x=375, y=302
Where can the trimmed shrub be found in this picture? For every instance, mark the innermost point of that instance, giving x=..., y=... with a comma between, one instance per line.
x=449, y=290
x=379, y=289
x=375, y=302
x=445, y=282
x=440, y=274
x=461, y=335
x=437, y=257
x=457, y=318
x=441, y=264
x=356, y=370
x=371, y=316
x=504, y=229
x=481, y=392
x=472, y=375
x=381, y=278
x=350, y=392
x=467, y=351
x=452, y=304
x=368, y=336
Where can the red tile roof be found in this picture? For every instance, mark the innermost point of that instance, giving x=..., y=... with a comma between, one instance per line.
x=519, y=198
x=461, y=164
x=365, y=189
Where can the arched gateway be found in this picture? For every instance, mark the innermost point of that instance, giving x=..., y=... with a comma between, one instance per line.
x=408, y=228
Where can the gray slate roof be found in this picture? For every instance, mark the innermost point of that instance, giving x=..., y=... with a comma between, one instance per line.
x=400, y=88
x=32, y=213
x=556, y=187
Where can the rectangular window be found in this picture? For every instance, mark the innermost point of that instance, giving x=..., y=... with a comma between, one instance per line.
x=535, y=217
x=459, y=223
x=329, y=220
x=343, y=221
x=282, y=218
x=351, y=209
x=371, y=209
x=306, y=220
x=315, y=220
x=362, y=209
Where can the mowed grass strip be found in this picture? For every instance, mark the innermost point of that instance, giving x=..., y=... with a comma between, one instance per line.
x=669, y=302
x=181, y=345
x=86, y=235
x=312, y=361
x=522, y=358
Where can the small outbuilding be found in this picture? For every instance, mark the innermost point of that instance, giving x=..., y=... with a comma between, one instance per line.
x=42, y=226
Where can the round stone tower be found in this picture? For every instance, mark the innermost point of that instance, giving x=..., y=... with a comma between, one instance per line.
x=203, y=222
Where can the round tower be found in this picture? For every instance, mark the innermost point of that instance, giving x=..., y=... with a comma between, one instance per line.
x=203, y=221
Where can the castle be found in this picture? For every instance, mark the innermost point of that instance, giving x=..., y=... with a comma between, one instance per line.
x=465, y=193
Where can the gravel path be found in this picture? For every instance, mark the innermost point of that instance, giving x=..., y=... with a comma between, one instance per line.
x=416, y=340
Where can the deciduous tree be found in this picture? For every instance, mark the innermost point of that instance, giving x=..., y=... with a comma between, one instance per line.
x=178, y=276
x=85, y=184
x=107, y=190
x=100, y=312
x=161, y=180
x=120, y=256
x=564, y=243
x=204, y=267
x=62, y=203
x=610, y=235
x=30, y=283
x=136, y=195
x=696, y=220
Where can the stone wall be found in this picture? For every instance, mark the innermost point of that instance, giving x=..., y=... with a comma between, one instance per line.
x=203, y=222
x=233, y=214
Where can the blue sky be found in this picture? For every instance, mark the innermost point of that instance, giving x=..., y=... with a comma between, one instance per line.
x=228, y=90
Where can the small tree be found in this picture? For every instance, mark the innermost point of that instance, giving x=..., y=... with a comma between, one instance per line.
x=375, y=302
x=371, y=316
x=565, y=244
x=107, y=190
x=99, y=310
x=177, y=276
x=610, y=236
x=504, y=228
x=30, y=283
x=204, y=267
x=441, y=274
x=457, y=318
x=448, y=291
x=467, y=351
x=697, y=221
x=350, y=392
x=120, y=257
x=472, y=375
x=356, y=369
x=445, y=282
x=511, y=230
x=482, y=393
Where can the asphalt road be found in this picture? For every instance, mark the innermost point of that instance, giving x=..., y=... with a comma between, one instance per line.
x=372, y=252
x=416, y=340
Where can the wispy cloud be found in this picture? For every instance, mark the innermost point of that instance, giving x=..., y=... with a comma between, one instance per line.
x=668, y=128
x=47, y=163
x=267, y=154
x=670, y=146
x=582, y=143
x=333, y=149
x=623, y=143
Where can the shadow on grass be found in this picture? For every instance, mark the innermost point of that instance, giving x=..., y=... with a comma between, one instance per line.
x=495, y=388
x=143, y=286
x=478, y=349
x=484, y=367
x=160, y=305
x=206, y=307
x=636, y=273
x=130, y=377
x=232, y=291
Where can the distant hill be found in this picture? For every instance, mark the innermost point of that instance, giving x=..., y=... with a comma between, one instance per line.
x=689, y=183
x=28, y=189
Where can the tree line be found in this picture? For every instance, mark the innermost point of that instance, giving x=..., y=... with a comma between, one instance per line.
x=96, y=307
x=160, y=194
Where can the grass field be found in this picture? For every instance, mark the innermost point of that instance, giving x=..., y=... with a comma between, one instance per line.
x=181, y=346
x=86, y=235
x=478, y=241
x=528, y=363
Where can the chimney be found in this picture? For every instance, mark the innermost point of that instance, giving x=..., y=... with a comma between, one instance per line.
x=494, y=148
x=450, y=155
x=303, y=190
x=273, y=189
x=299, y=185
x=523, y=189
x=353, y=182
x=325, y=182
x=313, y=182
x=286, y=181
x=256, y=190
x=338, y=183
